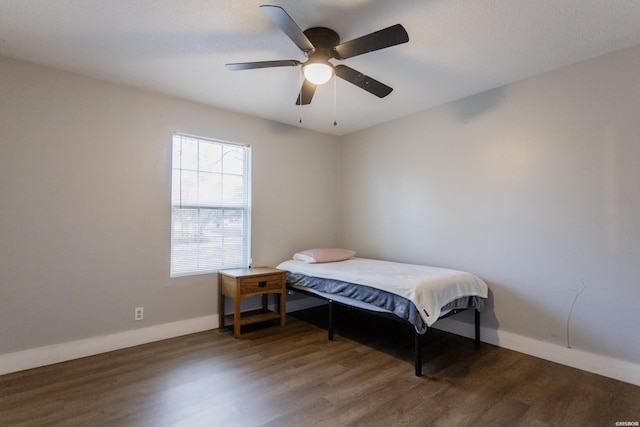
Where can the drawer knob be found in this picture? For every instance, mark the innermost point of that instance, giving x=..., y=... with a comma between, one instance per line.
x=262, y=284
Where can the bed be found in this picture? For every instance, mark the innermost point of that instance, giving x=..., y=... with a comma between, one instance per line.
x=415, y=294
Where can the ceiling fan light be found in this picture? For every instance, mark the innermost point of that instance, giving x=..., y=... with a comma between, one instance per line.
x=318, y=73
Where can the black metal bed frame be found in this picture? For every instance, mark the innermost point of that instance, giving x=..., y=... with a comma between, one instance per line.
x=418, y=342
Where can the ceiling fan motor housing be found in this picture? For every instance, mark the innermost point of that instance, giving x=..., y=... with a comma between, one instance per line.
x=323, y=40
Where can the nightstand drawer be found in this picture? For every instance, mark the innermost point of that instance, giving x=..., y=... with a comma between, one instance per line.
x=251, y=285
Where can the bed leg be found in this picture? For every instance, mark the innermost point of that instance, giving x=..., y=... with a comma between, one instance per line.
x=418, y=354
x=330, y=327
x=477, y=327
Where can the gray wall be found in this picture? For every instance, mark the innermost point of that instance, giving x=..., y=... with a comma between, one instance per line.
x=85, y=203
x=533, y=186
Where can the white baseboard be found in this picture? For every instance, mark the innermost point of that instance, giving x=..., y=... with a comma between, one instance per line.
x=591, y=362
x=42, y=356
x=575, y=358
x=33, y=358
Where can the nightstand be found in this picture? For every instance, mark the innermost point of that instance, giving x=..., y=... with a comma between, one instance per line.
x=241, y=283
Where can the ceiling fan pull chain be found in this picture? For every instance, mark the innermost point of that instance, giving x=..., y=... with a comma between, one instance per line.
x=300, y=94
x=335, y=91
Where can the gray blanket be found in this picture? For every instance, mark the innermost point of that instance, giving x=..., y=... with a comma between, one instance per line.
x=399, y=306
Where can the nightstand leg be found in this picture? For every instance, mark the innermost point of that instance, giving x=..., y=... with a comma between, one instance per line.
x=236, y=318
x=221, y=312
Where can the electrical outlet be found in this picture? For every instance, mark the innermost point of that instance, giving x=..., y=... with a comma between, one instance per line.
x=139, y=313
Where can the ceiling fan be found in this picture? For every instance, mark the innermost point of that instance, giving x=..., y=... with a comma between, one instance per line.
x=319, y=45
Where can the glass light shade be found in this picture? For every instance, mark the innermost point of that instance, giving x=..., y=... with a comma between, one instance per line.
x=317, y=73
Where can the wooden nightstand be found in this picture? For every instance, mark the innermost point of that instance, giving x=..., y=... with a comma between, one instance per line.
x=241, y=283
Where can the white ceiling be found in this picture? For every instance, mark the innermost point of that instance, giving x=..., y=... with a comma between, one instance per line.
x=179, y=47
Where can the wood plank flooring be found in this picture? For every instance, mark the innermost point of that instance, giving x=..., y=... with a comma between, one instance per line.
x=293, y=376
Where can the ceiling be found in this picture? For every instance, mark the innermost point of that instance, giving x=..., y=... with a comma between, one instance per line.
x=179, y=47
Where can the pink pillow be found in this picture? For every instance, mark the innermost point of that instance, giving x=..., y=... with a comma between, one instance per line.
x=311, y=256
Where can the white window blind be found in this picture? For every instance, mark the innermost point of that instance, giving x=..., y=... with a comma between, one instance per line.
x=210, y=205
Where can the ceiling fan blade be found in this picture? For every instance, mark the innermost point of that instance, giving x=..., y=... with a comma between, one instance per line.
x=262, y=64
x=306, y=93
x=363, y=81
x=282, y=19
x=387, y=37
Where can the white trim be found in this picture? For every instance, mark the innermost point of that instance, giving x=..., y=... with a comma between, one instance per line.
x=591, y=362
x=36, y=357
x=573, y=357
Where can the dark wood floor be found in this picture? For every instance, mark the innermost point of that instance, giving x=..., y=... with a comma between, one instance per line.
x=293, y=376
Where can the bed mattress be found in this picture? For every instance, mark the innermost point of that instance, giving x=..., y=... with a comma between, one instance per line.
x=419, y=294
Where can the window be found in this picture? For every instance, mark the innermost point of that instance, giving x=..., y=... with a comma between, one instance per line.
x=210, y=205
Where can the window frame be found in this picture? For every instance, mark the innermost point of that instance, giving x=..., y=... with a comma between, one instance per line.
x=187, y=208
